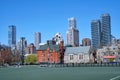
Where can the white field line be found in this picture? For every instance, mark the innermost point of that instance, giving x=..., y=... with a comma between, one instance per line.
x=115, y=78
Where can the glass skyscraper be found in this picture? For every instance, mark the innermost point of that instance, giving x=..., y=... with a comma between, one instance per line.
x=72, y=33
x=96, y=33
x=105, y=30
x=101, y=31
x=37, y=39
x=12, y=36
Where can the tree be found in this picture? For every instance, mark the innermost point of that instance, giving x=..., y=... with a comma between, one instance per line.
x=31, y=59
x=94, y=56
x=5, y=56
x=16, y=57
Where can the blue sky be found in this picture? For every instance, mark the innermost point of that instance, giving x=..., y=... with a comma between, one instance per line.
x=51, y=16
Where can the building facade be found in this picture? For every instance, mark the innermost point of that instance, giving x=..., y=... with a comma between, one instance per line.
x=12, y=36
x=72, y=22
x=72, y=33
x=22, y=44
x=109, y=54
x=50, y=53
x=96, y=33
x=31, y=49
x=78, y=54
x=37, y=39
x=86, y=42
x=105, y=30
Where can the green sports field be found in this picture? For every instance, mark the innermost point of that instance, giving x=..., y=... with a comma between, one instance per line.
x=61, y=73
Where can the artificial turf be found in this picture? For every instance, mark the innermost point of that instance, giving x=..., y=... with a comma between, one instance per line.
x=36, y=72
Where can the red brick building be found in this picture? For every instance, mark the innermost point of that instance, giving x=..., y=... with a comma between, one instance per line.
x=86, y=42
x=51, y=53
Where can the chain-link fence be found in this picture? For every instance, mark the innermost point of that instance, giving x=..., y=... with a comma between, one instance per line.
x=85, y=65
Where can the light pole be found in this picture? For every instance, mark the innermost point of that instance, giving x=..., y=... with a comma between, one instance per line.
x=22, y=38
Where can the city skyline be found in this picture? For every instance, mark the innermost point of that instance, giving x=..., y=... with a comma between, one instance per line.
x=50, y=17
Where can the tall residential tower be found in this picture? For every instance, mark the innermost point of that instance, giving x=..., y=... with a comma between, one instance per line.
x=105, y=30
x=12, y=36
x=22, y=44
x=37, y=39
x=96, y=33
x=101, y=31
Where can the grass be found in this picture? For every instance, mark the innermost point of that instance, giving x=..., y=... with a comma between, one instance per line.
x=64, y=73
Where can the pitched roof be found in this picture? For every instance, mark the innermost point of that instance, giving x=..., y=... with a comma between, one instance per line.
x=51, y=47
x=77, y=50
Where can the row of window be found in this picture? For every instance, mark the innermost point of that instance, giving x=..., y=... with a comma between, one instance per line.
x=72, y=57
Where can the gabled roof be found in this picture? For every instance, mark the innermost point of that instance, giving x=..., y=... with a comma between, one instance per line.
x=51, y=47
x=77, y=50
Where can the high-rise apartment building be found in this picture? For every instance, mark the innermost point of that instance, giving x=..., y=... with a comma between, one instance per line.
x=37, y=39
x=72, y=33
x=86, y=42
x=105, y=30
x=96, y=33
x=12, y=36
x=101, y=31
x=22, y=44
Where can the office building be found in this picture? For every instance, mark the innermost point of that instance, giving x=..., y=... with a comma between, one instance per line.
x=72, y=33
x=37, y=39
x=72, y=22
x=21, y=43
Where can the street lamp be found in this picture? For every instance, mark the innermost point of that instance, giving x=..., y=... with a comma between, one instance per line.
x=22, y=38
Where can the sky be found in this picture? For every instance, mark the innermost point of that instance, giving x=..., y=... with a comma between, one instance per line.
x=51, y=16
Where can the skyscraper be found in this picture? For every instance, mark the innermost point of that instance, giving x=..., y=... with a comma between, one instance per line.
x=72, y=33
x=72, y=22
x=37, y=39
x=22, y=43
x=96, y=33
x=12, y=35
x=106, y=30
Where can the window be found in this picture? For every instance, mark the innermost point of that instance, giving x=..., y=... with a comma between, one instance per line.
x=43, y=55
x=80, y=56
x=113, y=53
x=119, y=53
x=71, y=57
x=43, y=59
x=113, y=48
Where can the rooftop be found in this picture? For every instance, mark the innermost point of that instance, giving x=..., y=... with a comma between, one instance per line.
x=77, y=50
